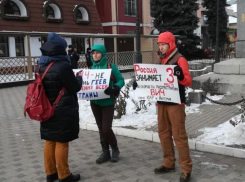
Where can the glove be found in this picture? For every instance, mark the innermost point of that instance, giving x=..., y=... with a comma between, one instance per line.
x=179, y=73
x=112, y=91
x=79, y=80
x=135, y=84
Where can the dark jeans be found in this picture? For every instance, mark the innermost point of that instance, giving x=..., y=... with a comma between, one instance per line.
x=104, y=117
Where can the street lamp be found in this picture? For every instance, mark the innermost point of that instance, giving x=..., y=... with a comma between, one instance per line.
x=217, y=35
x=138, y=55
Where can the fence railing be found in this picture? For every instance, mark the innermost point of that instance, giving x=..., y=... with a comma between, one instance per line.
x=17, y=68
x=14, y=69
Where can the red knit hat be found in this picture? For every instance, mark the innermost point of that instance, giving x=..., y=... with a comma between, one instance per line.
x=168, y=38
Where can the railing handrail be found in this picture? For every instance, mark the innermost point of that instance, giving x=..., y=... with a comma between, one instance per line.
x=13, y=57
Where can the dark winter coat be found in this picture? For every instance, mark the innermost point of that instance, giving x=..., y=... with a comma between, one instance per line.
x=74, y=58
x=64, y=125
x=88, y=59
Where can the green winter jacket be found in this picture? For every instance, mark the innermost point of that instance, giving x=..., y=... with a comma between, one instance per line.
x=103, y=64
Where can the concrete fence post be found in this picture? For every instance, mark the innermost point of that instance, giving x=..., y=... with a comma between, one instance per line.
x=29, y=62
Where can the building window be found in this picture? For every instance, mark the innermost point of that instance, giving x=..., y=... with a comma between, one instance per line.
x=11, y=9
x=130, y=7
x=52, y=12
x=79, y=44
x=43, y=40
x=81, y=15
x=14, y=10
x=19, y=46
x=4, y=52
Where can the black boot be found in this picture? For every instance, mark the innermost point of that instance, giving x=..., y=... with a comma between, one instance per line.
x=71, y=178
x=162, y=169
x=115, y=155
x=185, y=177
x=52, y=177
x=105, y=156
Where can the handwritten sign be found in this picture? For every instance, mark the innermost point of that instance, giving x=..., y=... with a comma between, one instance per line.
x=156, y=83
x=95, y=82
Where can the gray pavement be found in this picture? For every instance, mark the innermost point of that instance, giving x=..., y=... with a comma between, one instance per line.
x=21, y=154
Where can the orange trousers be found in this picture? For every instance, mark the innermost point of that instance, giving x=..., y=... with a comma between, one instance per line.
x=171, y=124
x=56, y=159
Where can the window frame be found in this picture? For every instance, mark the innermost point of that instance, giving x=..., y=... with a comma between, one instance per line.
x=20, y=41
x=79, y=44
x=12, y=16
x=53, y=20
x=81, y=21
x=7, y=45
x=126, y=8
x=49, y=10
x=13, y=5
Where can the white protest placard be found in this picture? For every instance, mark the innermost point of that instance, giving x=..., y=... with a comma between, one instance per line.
x=156, y=83
x=95, y=82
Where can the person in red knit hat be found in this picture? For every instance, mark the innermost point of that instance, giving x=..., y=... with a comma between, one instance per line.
x=171, y=116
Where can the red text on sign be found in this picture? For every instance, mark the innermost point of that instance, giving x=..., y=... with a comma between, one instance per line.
x=101, y=87
x=171, y=76
x=137, y=69
x=156, y=92
x=87, y=87
x=85, y=74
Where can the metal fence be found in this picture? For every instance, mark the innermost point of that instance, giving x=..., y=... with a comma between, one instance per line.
x=16, y=69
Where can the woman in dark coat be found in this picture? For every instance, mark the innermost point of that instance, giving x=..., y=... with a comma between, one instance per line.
x=63, y=126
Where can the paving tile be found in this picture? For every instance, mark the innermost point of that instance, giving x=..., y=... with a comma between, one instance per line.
x=22, y=161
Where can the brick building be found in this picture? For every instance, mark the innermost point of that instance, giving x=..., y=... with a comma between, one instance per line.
x=30, y=16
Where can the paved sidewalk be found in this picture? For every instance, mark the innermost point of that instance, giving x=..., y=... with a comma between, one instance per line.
x=21, y=156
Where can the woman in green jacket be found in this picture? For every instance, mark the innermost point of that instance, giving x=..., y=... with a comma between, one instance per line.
x=103, y=109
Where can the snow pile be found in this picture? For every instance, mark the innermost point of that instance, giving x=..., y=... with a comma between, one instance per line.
x=140, y=120
x=209, y=165
x=224, y=134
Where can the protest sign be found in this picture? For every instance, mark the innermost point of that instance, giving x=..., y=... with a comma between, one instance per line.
x=95, y=82
x=156, y=83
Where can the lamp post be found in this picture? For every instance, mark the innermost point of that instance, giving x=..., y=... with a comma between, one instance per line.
x=217, y=35
x=138, y=55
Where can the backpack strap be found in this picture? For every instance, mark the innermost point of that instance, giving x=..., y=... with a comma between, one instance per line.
x=112, y=76
x=58, y=98
x=113, y=80
x=174, y=59
x=46, y=69
x=62, y=90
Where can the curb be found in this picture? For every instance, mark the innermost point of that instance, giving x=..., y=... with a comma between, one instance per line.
x=153, y=137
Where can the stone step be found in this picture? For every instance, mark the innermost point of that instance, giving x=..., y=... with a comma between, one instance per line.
x=235, y=84
x=233, y=66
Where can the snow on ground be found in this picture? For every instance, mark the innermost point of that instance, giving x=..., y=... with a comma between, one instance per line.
x=209, y=165
x=224, y=134
x=140, y=120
